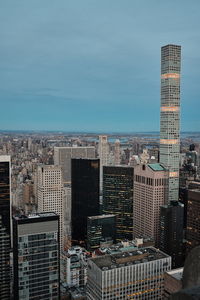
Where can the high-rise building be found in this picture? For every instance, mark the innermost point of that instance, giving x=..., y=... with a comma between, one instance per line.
x=117, y=155
x=5, y=227
x=51, y=193
x=103, y=151
x=85, y=196
x=170, y=116
x=118, y=198
x=99, y=229
x=36, y=257
x=63, y=156
x=137, y=274
x=171, y=231
x=193, y=219
x=150, y=192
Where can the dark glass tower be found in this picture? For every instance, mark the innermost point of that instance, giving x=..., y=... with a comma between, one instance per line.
x=85, y=196
x=36, y=257
x=100, y=229
x=171, y=231
x=5, y=228
x=118, y=198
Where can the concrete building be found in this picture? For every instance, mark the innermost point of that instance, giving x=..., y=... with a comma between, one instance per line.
x=170, y=116
x=63, y=156
x=51, y=193
x=150, y=192
x=137, y=274
x=193, y=219
x=172, y=282
x=36, y=257
x=117, y=153
x=74, y=267
x=103, y=151
x=5, y=227
x=118, y=198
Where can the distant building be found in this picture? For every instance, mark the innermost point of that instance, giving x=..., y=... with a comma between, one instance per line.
x=63, y=156
x=5, y=227
x=118, y=198
x=193, y=219
x=170, y=116
x=117, y=154
x=137, y=274
x=36, y=258
x=171, y=231
x=51, y=193
x=85, y=196
x=150, y=192
x=103, y=151
x=99, y=229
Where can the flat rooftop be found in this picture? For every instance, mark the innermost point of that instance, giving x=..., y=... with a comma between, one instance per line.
x=176, y=273
x=35, y=216
x=157, y=167
x=100, y=217
x=124, y=258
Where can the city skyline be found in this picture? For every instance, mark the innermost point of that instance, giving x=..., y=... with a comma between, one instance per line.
x=91, y=67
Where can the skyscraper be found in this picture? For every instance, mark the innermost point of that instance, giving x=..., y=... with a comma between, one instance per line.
x=171, y=231
x=103, y=151
x=63, y=156
x=170, y=115
x=51, y=193
x=150, y=192
x=117, y=157
x=36, y=257
x=5, y=227
x=118, y=198
x=85, y=196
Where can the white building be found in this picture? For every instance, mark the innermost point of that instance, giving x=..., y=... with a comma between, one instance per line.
x=51, y=193
x=103, y=151
x=63, y=156
x=137, y=274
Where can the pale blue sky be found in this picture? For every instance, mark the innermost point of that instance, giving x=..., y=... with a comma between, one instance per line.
x=94, y=65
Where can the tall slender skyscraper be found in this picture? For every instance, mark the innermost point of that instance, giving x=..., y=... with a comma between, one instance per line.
x=5, y=228
x=170, y=115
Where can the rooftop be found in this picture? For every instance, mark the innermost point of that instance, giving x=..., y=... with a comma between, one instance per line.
x=118, y=260
x=101, y=217
x=157, y=167
x=35, y=216
x=176, y=273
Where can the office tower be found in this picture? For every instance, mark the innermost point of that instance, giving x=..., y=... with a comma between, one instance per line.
x=193, y=219
x=150, y=192
x=170, y=115
x=85, y=196
x=63, y=156
x=103, y=151
x=100, y=228
x=171, y=231
x=5, y=227
x=67, y=216
x=51, y=193
x=36, y=257
x=118, y=198
x=137, y=274
x=117, y=154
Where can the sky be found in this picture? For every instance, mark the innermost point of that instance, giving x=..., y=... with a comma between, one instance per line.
x=90, y=65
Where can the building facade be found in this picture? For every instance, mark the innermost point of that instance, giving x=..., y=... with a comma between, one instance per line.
x=63, y=156
x=150, y=192
x=193, y=219
x=137, y=274
x=51, y=194
x=5, y=227
x=103, y=151
x=170, y=115
x=171, y=231
x=36, y=257
x=118, y=198
x=85, y=196
x=99, y=229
